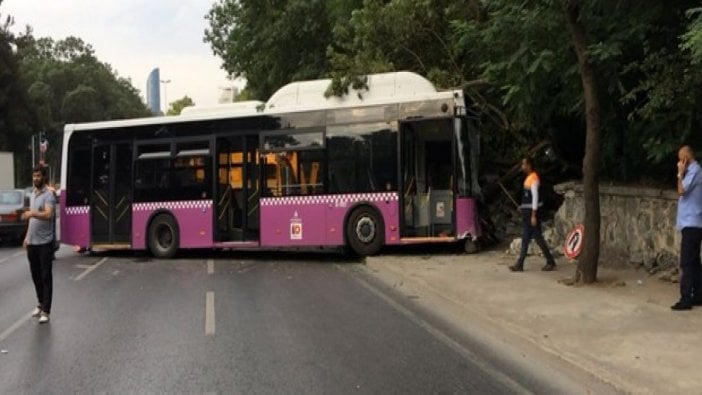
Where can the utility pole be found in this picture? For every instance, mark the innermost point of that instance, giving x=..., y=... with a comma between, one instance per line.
x=43, y=145
x=165, y=95
x=33, y=156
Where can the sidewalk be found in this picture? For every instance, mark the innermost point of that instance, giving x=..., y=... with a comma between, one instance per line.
x=620, y=330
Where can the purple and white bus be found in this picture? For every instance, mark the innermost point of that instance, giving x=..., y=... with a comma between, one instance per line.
x=395, y=164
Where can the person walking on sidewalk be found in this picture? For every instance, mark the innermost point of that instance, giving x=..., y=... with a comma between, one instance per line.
x=39, y=242
x=531, y=220
x=690, y=224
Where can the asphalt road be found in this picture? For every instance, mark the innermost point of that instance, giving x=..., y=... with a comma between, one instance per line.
x=209, y=323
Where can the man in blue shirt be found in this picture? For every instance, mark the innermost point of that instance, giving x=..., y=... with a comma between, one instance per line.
x=690, y=224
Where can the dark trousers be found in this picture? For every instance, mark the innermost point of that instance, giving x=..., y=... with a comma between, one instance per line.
x=530, y=233
x=40, y=262
x=690, y=265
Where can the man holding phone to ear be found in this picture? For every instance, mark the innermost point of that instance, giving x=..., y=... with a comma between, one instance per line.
x=690, y=224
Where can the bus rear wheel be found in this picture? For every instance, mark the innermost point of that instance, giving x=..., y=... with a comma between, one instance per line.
x=364, y=231
x=163, y=236
x=471, y=246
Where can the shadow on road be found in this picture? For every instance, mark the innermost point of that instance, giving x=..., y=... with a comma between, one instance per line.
x=335, y=256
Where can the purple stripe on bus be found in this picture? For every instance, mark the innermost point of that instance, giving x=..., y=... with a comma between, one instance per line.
x=320, y=220
x=467, y=224
x=194, y=220
x=75, y=224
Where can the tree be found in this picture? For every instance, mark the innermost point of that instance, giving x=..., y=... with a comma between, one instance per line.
x=272, y=43
x=81, y=104
x=527, y=65
x=588, y=262
x=643, y=99
x=69, y=67
x=65, y=83
x=692, y=39
x=177, y=106
x=373, y=41
x=17, y=116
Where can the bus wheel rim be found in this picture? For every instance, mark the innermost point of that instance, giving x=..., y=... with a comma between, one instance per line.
x=365, y=229
x=165, y=236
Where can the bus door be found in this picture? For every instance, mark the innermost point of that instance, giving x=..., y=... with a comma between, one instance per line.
x=237, y=189
x=427, y=198
x=111, y=198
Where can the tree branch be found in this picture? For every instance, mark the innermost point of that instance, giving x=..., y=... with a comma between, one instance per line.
x=416, y=56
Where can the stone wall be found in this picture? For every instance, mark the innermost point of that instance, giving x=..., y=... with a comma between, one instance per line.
x=637, y=228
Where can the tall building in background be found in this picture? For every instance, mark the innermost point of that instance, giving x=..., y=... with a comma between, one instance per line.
x=153, y=91
x=228, y=94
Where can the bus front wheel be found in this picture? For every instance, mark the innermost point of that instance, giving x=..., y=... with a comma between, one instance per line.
x=364, y=231
x=163, y=236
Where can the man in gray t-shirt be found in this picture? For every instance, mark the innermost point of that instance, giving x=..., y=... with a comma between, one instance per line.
x=39, y=241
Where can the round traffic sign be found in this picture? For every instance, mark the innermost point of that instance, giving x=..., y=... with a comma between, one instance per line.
x=574, y=242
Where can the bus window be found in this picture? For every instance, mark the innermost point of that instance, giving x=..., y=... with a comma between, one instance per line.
x=290, y=173
x=272, y=180
x=78, y=183
x=298, y=140
x=362, y=158
x=309, y=171
x=162, y=179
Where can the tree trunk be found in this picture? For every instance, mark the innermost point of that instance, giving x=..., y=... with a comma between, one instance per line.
x=587, y=264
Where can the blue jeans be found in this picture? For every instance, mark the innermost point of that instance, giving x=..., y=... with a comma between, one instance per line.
x=530, y=233
x=690, y=265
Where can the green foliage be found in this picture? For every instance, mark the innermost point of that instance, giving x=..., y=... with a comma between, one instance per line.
x=274, y=42
x=692, y=39
x=17, y=115
x=244, y=95
x=648, y=89
x=70, y=84
x=81, y=104
x=66, y=83
x=400, y=35
x=646, y=60
x=45, y=84
x=177, y=106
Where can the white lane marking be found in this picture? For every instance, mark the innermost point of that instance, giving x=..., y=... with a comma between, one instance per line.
x=90, y=269
x=20, y=253
x=15, y=326
x=443, y=338
x=81, y=266
x=4, y=259
x=209, y=314
x=210, y=266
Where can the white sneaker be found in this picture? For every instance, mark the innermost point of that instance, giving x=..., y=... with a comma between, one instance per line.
x=44, y=318
x=36, y=312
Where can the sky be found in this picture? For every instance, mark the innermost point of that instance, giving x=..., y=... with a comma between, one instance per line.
x=134, y=36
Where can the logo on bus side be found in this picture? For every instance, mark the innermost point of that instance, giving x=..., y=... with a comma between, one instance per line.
x=295, y=227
